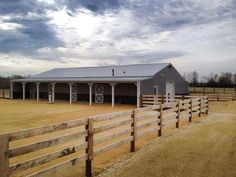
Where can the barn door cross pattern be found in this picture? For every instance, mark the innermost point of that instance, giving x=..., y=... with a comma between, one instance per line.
x=32, y=91
x=99, y=95
x=74, y=92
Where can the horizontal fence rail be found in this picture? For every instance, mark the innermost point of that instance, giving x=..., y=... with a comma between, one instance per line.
x=84, y=139
x=5, y=94
x=218, y=96
x=214, y=94
x=147, y=100
x=211, y=90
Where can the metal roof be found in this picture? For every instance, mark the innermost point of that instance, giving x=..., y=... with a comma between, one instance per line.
x=90, y=79
x=100, y=73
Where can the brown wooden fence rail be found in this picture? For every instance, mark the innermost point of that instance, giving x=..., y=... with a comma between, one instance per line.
x=5, y=94
x=91, y=136
x=215, y=94
x=211, y=90
x=218, y=96
x=147, y=100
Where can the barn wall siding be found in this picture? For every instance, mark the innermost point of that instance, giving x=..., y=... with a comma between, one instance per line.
x=170, y=74
x=147, y=87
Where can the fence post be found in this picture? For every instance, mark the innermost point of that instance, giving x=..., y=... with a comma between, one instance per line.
x=191, y=109
x=162, y=99
x=218, y=97
x=133, y=133
x=200, y=107
x=89, y=150
x=141, y=101
x=168, y=97
x=4, y=156
x=155, y=99
x=160, y=120
x=3, y=94
x=207, y=105
x=234, y=93
x=178, y=115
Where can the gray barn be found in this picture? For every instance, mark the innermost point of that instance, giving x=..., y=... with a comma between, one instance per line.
x=115, y=84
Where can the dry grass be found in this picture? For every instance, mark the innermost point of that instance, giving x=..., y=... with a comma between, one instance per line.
x=205, y=148
x=18, y=114
x=156, y=159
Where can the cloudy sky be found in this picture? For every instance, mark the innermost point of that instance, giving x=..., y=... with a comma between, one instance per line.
x=37, y=35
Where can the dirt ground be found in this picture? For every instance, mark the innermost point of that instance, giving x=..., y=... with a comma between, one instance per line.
x=205, y=148
x=18, y=114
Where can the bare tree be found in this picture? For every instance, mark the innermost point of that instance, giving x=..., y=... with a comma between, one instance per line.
x=195, y=77
x=212, y=80
x=234, y=80
x=225, y=79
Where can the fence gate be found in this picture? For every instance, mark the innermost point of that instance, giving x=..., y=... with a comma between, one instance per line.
x=99, y=95
x=74, y=92
x=32, y=91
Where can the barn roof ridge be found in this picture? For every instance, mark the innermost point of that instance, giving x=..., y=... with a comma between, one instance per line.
x=106, y=71
x=109, y=72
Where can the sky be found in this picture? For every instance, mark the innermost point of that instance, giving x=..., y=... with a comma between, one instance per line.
x=194, y=35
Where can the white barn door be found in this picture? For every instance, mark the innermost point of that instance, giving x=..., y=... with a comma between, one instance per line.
x=99, y=93
x=170, y=91
x=74, y=92
x=32, y=91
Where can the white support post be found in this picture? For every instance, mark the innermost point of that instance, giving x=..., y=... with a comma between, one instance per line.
x=11, y=89
x=138, y=94
x=53, y=92
x=23, y=90
x=113, y=94
x=90, y=93
x=37, y=90
x=70, y=84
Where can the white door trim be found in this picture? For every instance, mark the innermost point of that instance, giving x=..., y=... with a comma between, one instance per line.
x=99, y=93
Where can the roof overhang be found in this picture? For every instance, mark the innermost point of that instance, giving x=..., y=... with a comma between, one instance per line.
x=83, y=80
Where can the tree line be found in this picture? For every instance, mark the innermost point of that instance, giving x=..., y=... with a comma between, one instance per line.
x=225, y=79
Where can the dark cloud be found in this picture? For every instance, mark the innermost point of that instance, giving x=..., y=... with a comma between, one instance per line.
x=34, y=32
x=151, y=15
x=172, y=14
x=97, y=6
x=21, y=7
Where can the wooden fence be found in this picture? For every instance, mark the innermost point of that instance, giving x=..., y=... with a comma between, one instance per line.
x=218, y=96
x=215, y=94
x=147, y=100
x=5, y=94
x=91, y=136
x=210, y=90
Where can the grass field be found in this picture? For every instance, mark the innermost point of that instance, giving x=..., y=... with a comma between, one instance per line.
x=206, y=148
x=18, y=114
x=165, y=156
